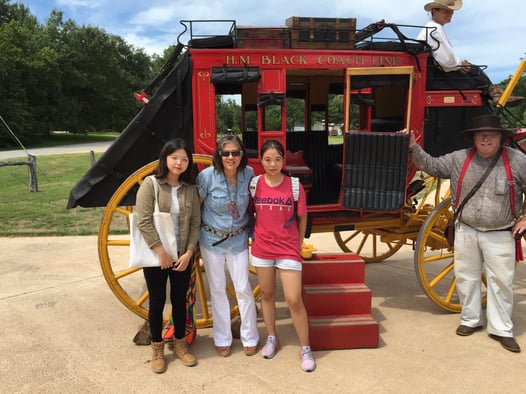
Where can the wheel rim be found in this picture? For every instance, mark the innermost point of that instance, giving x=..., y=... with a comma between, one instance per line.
x=434, y=260
x=372, y=246
x=127, y=284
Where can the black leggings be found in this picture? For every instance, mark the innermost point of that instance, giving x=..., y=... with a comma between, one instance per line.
x=156, y=279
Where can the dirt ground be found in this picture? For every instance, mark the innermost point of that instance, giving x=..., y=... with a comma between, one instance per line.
x=64, y=331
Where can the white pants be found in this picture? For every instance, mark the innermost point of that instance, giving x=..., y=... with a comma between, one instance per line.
x=491, y=253
x=238, y=266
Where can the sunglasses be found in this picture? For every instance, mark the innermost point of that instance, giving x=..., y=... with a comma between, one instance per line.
x=234, y=153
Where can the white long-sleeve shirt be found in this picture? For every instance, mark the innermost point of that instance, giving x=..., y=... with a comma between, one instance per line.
x=435, y=35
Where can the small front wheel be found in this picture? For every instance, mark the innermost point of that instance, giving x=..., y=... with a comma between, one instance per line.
x=371, y=245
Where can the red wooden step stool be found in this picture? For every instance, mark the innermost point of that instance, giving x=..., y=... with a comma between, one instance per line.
x=343, y=332
x=338, y=302
x=324, y=300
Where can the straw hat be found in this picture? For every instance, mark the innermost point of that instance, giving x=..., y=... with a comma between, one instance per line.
x=446, y=4
x=486, y=123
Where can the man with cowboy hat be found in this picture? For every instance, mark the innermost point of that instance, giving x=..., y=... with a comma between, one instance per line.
x=435, y=36
x=488, y=222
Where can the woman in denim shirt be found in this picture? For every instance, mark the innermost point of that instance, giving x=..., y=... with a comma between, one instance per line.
x=223, y=240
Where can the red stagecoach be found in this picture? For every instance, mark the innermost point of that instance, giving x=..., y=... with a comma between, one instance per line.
x=360, y=184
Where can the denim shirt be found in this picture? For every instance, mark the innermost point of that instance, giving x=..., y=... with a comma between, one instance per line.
x=215, y=192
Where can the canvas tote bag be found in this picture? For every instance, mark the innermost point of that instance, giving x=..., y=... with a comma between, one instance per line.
x=141, y=255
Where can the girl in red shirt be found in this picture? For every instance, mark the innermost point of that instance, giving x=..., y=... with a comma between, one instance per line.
x=278, y=236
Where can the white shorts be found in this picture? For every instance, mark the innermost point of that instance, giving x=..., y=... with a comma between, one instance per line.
x=283, y=264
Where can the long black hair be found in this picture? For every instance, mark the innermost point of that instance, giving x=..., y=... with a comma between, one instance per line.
x=234, y=139
x=161, y=171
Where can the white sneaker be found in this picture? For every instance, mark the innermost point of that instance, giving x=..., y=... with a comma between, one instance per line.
x=271, y=347
x=307, y=361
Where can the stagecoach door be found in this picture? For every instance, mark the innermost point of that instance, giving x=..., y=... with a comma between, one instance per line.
x=377, y=106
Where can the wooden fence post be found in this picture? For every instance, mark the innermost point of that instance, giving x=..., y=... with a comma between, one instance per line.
x=32, y=169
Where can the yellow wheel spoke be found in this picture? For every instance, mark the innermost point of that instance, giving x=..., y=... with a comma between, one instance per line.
x=127, y=272
x=118, y=242
x=439, y=257
x=452, y=289
x=142, y=298
x=441, y=275
x=122, y=211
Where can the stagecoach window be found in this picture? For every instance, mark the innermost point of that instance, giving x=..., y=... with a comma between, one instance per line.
x=379, y=99
x=318, y=117
x=271, y=105
x=296, y=111
x=228, y=114
x=271, y=118
x=250, y=121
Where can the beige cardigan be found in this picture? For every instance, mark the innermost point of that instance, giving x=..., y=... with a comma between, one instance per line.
x=189, y=206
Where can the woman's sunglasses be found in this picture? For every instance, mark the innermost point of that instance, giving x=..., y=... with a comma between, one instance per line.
x=234, y=153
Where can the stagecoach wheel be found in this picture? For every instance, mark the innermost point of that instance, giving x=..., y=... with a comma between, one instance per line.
x=371, y=245
x=434, y=260
x=127, y=284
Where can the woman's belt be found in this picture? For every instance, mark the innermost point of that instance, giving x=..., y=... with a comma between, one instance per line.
x=224, y=236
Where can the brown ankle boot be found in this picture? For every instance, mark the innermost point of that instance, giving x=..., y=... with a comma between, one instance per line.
x=158, y=364
x=182, y=352
x=495, y=92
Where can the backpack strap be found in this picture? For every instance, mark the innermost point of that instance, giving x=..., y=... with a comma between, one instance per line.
x=295, y=184
x=253, y=184
x=295, y=187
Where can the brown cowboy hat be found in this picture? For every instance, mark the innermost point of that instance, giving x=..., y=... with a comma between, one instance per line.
x=446, y=4
x=486, y=123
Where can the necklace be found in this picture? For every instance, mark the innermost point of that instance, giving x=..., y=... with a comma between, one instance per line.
x=232, y=195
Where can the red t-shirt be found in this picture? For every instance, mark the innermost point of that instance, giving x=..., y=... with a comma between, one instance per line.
x=274, y=207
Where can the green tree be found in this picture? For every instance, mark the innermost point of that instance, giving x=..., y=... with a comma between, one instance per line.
x=228, y=115
x=99, y=74
x=336, y=109
x=59, y=76
x=28, y=72
x=295, y=113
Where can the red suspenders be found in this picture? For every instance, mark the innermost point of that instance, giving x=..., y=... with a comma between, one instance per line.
x=518, y=246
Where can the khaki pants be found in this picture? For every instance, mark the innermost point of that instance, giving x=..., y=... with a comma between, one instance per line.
x=491, y=253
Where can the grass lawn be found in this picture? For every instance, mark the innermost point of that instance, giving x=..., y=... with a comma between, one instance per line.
x=44, y=212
